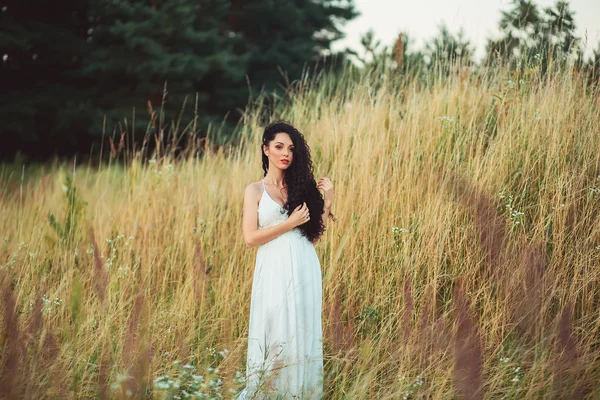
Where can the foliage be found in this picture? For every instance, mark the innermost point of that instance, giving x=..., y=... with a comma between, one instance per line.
x=74, y=214
x=97, y=68
x=527, y=33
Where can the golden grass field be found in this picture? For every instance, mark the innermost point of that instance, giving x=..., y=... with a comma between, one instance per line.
x=464, y=263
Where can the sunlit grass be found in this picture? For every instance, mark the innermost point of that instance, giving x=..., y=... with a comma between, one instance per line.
x=466, y=204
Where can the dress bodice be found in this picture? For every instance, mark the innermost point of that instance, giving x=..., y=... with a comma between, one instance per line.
x=269, y=212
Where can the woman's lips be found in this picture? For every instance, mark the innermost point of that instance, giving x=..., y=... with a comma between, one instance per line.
x=285, y=161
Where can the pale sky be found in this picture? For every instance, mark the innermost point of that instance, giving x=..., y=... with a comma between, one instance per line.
x=478, y=18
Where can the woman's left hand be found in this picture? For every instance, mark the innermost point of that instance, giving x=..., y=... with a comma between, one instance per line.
x=326, y=186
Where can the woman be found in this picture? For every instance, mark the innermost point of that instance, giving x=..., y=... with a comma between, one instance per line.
x=284, y=215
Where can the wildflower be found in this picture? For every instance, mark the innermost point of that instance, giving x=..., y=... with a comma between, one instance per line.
x=223, y=353
x=162, y=385
x=446, y=119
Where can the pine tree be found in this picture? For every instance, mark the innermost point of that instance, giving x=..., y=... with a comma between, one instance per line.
x=533, y=35
x=139, y=46
x=284, y=35
x=42, y=46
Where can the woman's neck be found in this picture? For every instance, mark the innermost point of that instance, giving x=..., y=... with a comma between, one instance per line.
x=275, y=177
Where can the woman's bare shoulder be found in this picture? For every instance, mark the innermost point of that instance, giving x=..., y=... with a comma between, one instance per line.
x=253, y=189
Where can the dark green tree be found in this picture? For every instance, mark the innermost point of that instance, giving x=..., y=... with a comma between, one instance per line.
x=42, y=45
x=139, y=46
x=66, y=67
x=284, y=37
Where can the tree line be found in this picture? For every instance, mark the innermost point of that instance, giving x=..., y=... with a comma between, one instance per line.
x=83, y=68
x=75, y=69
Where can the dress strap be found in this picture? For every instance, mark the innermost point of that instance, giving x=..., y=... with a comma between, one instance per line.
x=263, y=184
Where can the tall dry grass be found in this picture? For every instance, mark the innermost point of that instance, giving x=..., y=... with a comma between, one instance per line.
x=463, y=263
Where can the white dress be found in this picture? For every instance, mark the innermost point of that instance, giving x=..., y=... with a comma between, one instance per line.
x=285, y=349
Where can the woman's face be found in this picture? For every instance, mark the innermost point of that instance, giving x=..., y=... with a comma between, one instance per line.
x=281, y=151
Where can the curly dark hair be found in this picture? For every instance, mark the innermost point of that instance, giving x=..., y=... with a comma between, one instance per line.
x=298, y=178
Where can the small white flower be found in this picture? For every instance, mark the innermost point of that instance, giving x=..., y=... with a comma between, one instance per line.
x=162, y=385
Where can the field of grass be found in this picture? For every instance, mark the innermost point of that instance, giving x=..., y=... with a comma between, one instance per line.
x=464, y=263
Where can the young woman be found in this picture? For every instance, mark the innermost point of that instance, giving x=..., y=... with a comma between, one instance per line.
x=284, y=215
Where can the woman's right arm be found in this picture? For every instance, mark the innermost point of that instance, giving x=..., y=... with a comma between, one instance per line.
x=254, y=236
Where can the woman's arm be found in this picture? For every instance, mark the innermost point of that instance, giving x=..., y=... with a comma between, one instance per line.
x=254, y=236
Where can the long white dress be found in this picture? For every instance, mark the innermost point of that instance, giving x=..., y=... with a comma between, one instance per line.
x=285, y=340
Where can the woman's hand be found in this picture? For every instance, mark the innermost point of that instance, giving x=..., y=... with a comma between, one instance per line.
x=300, y=215
x=326, y=186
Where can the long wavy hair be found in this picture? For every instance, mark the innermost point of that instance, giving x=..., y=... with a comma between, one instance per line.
x=298, y=178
